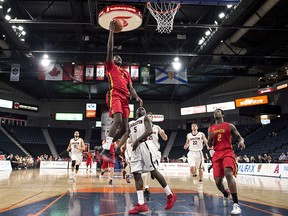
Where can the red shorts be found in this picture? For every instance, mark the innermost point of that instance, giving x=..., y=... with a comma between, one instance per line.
x=222, y=160
x=106, y=164
x=88, y=162
x=117, y=103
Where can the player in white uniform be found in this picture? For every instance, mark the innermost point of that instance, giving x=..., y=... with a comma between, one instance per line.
x=157, y=130
x=194, y=141
x=76, y=146
x=144, y=159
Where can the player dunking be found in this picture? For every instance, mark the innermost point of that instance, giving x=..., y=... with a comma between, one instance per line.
x=195, y=141
x=154, y=137
x=117, y=98
x=76, y=145
x=144, y=159
x=223, y=160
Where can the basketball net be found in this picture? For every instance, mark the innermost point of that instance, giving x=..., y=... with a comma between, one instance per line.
x=164, y=14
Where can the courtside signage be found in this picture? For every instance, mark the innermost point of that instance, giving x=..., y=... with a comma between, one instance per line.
x=224, y=106
x=6, y=104
x=252, y=101
x=158, y=118
x=265, y=90
x=91, y=110
x=21, y=106
x=69, y=116
x=193, y=110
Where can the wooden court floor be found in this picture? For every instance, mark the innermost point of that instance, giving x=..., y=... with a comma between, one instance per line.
x=49, y=192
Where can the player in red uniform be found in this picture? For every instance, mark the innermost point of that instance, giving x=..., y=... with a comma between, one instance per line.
x=223, y=160
x=117, y=98
x=89, y=161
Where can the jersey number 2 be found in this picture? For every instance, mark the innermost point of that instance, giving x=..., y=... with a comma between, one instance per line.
x=219, y=136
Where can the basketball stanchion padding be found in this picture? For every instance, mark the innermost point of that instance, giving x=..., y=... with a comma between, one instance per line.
x=130, y=16
x=164, y=14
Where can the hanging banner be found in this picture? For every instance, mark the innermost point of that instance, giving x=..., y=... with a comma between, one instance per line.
x=145, y=75
x=100, y=72
x=54, y=72
x=135, y=72
x=15, y=73
x=89, y=72
x=127, y=68
x=78, y=73
x=170, y=76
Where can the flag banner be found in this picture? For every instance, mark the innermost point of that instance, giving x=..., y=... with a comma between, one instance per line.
x=127, y=68
x=100, y=72
x=55, y=72
x=15, y=73
x=170, y=76
x=89, y=72
x=135, y=72
x=145, y=75
x=78, y=73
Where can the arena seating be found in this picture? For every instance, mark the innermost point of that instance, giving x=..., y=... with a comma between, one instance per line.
x=8, y=147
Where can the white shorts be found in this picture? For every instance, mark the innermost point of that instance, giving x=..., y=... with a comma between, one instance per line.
x=144, y=158
x=77, y=157
x=196, y=159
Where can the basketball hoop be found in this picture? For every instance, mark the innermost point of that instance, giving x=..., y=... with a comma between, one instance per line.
x=164, y=14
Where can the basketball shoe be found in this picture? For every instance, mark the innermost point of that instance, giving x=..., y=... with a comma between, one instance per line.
x=138, y=208
x=171, y=199
x=110, y=182
x=106, y=156
x=147, y=194
x=236, y=209
x=226, y=199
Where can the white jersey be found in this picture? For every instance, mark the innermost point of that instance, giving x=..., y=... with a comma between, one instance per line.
x=75, y=146
x=137, y=129
x=155, y=136
x=195, y=141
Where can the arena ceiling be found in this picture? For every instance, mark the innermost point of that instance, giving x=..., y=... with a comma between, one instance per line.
x=250, y=41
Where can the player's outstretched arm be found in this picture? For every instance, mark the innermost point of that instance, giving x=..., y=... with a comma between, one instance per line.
x=210, y=138
x=82, y=145
x=134, y=94
x=163, y=134
x=122, y=142
x=69, y=147
x=240, y=139
x=186, y=145
x=110, y=43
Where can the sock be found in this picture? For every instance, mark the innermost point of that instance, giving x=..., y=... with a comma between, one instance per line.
x=167, y=190
x=140, y=196
x=225, y=193
x=108, y=143
x=235, y=197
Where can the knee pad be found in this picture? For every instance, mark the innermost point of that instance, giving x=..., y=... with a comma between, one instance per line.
x=73, y=163
x=77, y=167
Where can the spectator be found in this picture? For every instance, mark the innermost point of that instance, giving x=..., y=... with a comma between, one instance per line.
x=246, y=159
x=282, y=157
x=269, y=159
x=183, y=159
x=252, y=159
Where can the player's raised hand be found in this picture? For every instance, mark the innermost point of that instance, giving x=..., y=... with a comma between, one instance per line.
x=112, y=25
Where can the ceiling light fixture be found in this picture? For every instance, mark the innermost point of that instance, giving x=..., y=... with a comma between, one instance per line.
x=7, y=17
x=221, y=15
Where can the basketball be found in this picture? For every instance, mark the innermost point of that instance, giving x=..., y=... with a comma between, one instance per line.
x=119, y=25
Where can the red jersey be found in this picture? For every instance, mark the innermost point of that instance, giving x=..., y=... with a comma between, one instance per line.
x=222, y=136
x=89, y=156
x=118, y=78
